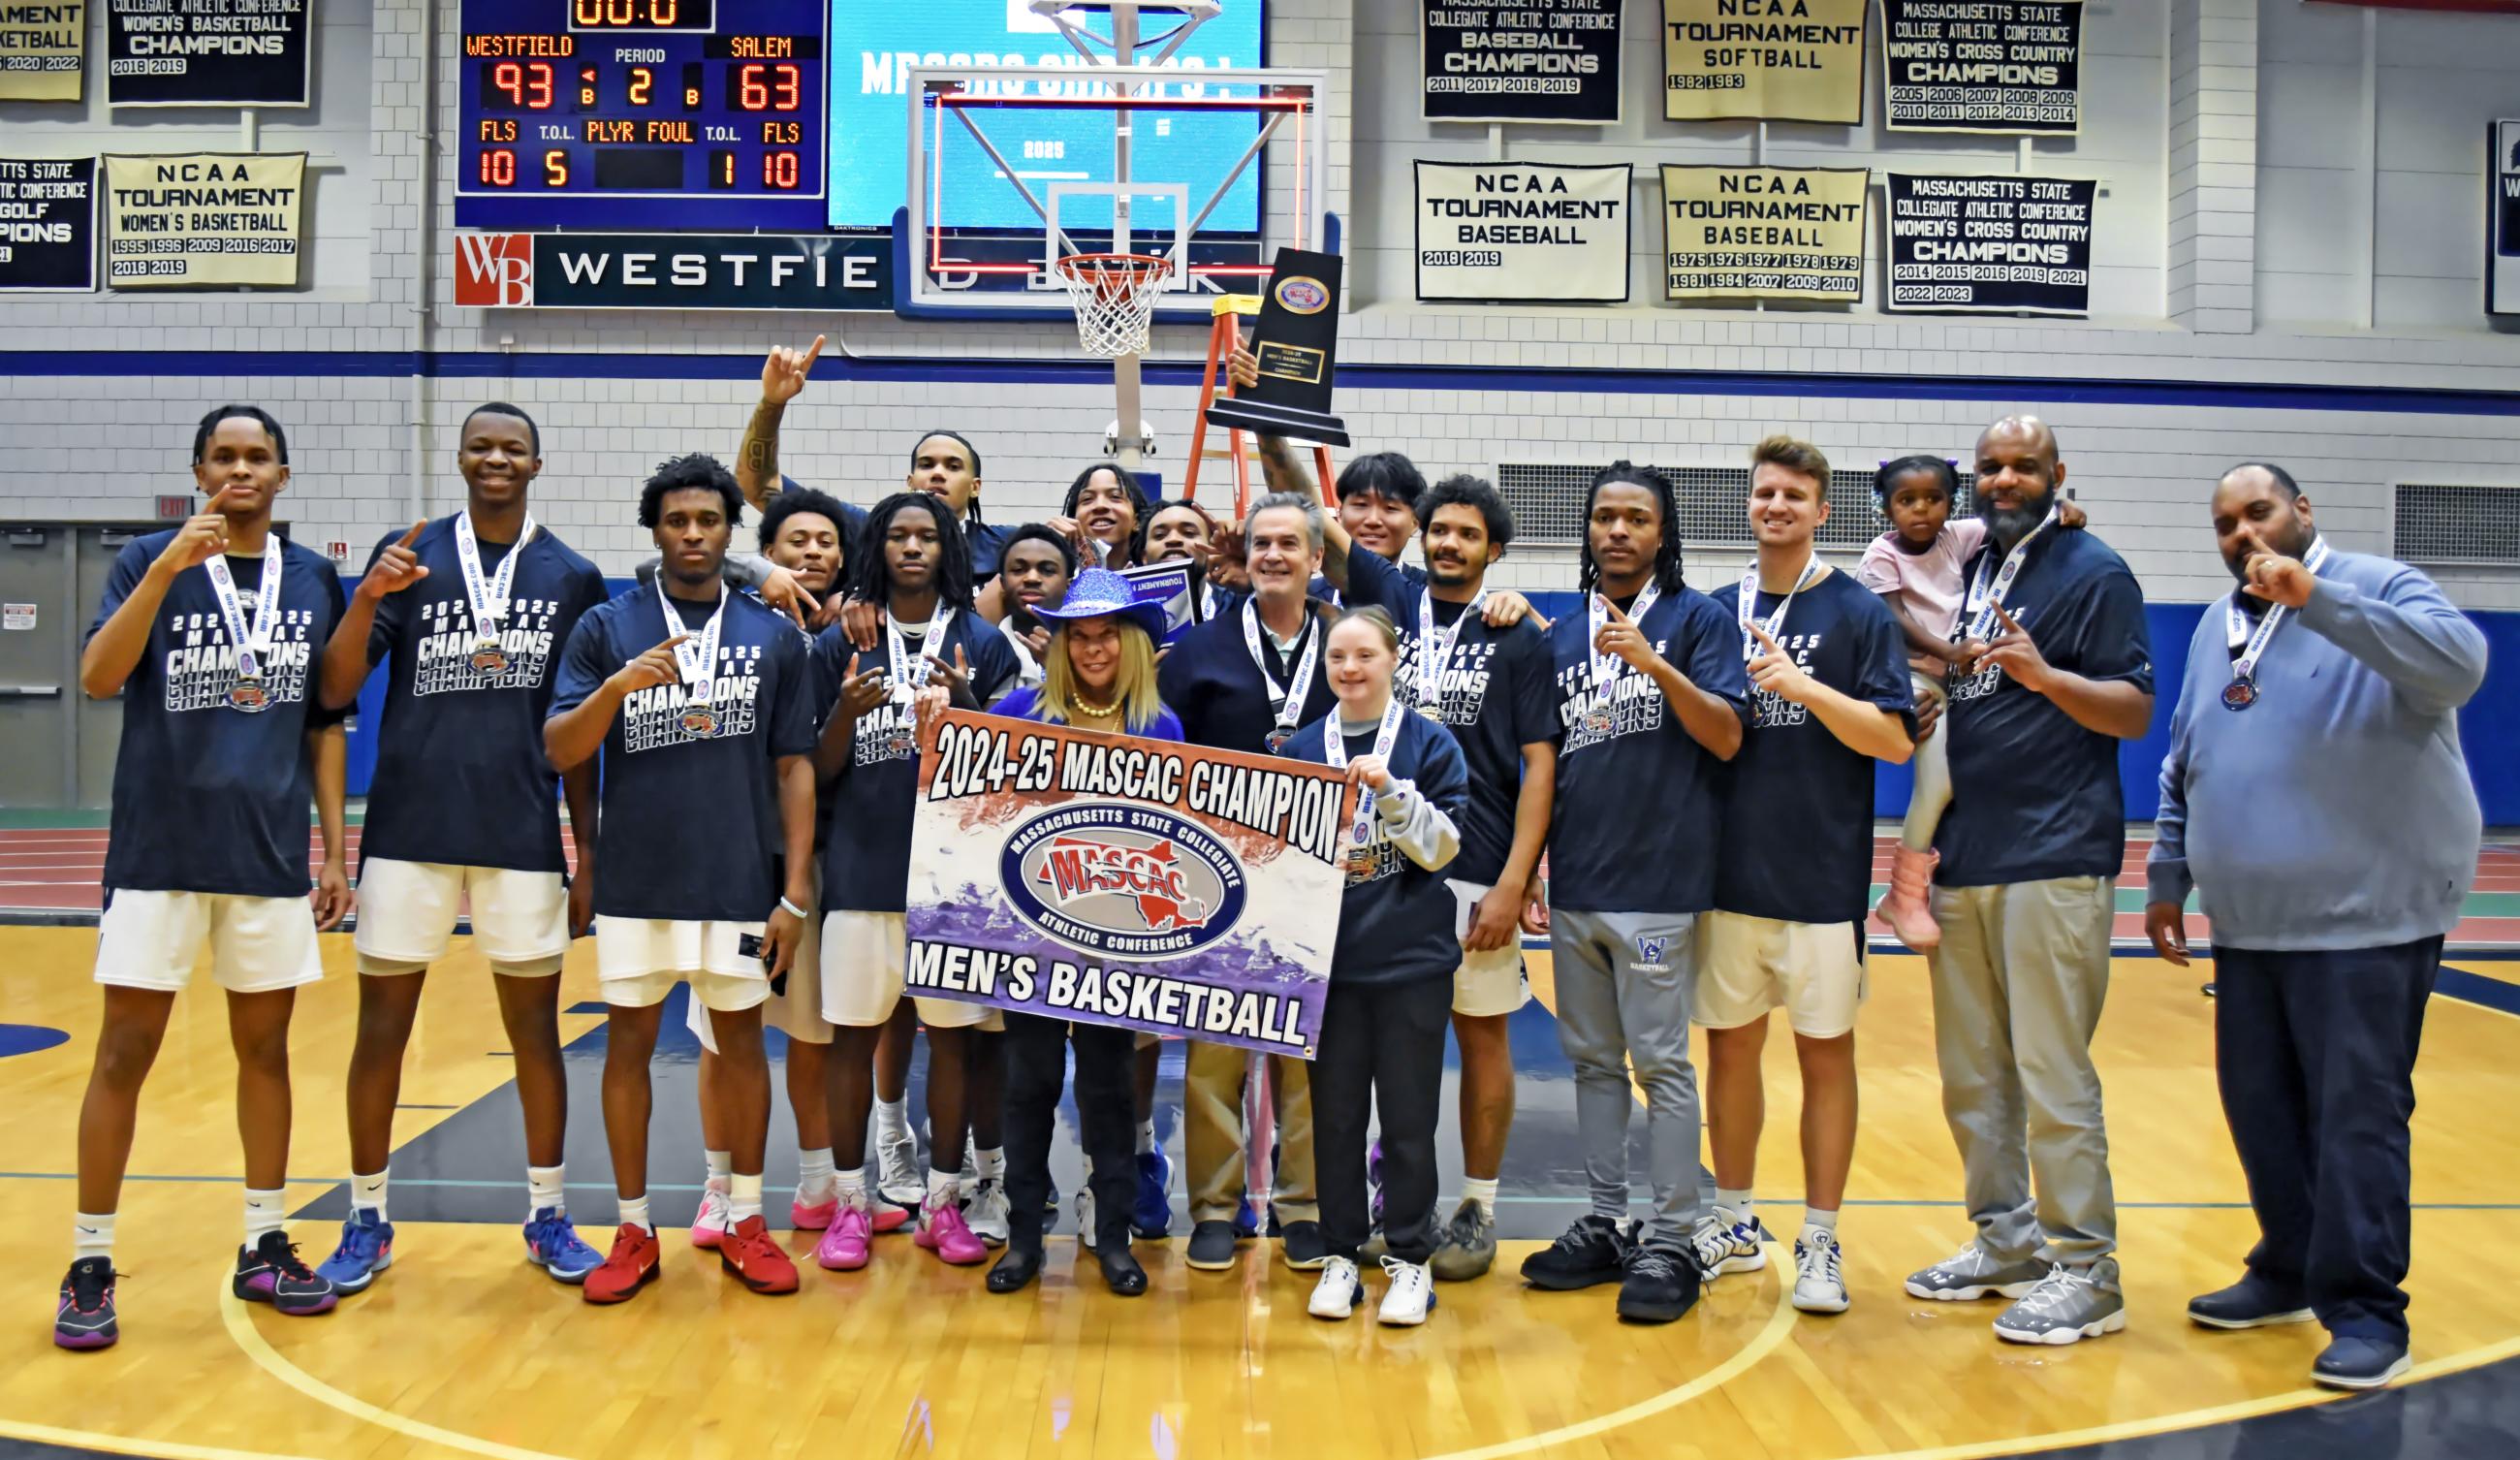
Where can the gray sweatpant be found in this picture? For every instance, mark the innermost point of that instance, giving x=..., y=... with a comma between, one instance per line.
x=1625, y=984
x=2018, y=984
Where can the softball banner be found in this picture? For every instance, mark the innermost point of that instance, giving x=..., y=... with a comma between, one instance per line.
x=42, y=47
x=1782, y=233
x=216, y=219
x=1141, y=883
x=1770, y=60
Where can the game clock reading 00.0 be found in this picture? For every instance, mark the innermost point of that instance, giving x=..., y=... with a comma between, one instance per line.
x=643, y=114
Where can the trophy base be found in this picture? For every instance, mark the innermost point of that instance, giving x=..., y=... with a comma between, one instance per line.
x=1291, y=422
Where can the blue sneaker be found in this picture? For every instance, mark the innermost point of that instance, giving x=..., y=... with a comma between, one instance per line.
x=553, y=1244
x=365, y=1250
x=1246, y=1218
x=1152, y=1216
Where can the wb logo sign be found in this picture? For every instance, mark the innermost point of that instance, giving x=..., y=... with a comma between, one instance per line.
x=494, y=270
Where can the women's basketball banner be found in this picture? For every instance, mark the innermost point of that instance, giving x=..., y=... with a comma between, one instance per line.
x=209, y=53
x=214, y=219
x=1991, y=245
x=42, y=47
x=1519, y=233
x=1983, y=66
x=1141, y=883
x=1780, y=233
x=1520, y=60
x=1769, y=60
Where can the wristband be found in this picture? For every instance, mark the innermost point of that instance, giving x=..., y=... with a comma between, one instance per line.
x=792, y=910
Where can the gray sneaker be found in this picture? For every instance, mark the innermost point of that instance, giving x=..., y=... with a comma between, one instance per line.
x=1972, y=1273
x=1467, y=1248
x=2069, y=1304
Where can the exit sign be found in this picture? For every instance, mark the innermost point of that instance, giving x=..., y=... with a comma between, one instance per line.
x=174, y=509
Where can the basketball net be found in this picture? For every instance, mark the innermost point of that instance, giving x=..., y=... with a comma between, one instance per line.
x=1114, y=294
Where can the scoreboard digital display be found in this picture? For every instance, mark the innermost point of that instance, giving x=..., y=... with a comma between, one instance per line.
x=644, y=115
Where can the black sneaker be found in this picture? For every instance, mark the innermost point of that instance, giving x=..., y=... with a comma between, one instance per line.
x=269, y=1272
x=1660, y=1284
x=2250, y=1302
x=1211, y=1246
x=1589, y=1253
x=85, y=1317
x=1303, y=1247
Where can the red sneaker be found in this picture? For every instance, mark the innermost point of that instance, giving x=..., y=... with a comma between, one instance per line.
x=755, y=1257
x=631, y=1266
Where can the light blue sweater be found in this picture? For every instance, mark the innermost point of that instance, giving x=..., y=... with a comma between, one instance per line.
x=2335, y=812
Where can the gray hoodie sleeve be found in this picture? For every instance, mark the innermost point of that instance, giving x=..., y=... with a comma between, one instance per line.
x=1418, y=826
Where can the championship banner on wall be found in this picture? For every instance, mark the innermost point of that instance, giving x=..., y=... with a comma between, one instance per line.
x=1990, y=244
x=1145, y=884
x=47, y=223
x=2502, y=218
x=42, y=47
x=1520, y=233
x=217, y=219
x=1983, y=66
x=1780, y=233
x=209, y=53
x=1520, y=60
x=1769, y=60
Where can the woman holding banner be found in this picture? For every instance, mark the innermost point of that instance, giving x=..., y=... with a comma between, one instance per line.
x=1099, y=674
x=1392, y=974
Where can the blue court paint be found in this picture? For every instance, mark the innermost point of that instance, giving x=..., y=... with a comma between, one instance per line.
x=27, y=1038
x=2476, y=988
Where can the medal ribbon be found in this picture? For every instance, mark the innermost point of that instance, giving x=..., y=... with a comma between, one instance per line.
x=1609, y=666
x=1983, y=600
x=488, y=598
x=251, y=643
x=696, y=662
x=2253, y=644
x=1436, y=651
x=1334, y=748
x=1290, y=694
x=906, y=686
x=1776, y=620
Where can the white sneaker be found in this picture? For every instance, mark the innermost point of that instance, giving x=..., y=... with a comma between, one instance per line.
x=898, y=1174
x=712, y=1222
x=1723, y=1243
x=969, y=1178
x=2068, y=1305
x=1084, y=1217
x=986, y=1212
x=1820, y=1283
x=1335, y=1294
x=1411, y=1294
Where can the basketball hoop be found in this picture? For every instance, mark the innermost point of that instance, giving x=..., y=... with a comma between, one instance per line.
x=1114, y=294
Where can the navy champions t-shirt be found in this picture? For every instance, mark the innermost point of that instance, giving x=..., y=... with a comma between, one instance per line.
x=2034, y=794
x=1209, y=680
x=1635, y=822
x=1395, y=917
x=209, y=798
x=689, y=829
x=1797, y=840
x=866, y=856
x=460, y=776
x=1498, y=693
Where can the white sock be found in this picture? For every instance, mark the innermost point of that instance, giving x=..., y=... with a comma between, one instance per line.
x=1145, y=1138
x=1482, y=1192
x=1738, y=1203
x=944, y=1189
x=369, y=1192
x=546, y=1186
x=634, y=1214
x=1815, y=1219
x=814, y=1175
x=721, y=1165
x=262, y=1213
x=850, y=1187
x=92, y=1235
x=743, y=1197
x=892, y=1118
x=993, y=1162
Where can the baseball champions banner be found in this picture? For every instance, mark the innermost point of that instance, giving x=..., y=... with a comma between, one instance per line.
x=1983, y=66
x=42, y=47
x=216, y=219
x=1770, y=60
x=1513, y=233
x=1782, y=233
x=1520, y=60
x=1991, y=245
x=1140, y=883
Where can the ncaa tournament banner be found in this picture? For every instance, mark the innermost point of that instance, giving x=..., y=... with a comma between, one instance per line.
x=2502, y=218
x=216, y=219
x=1145, y=884
x=1765, y=59
x=47, y=224
x=1780, y=233
x=1990, y=244
x=1519, y=232
x=1520, y=60
x=1167, y=585
x=209, y=53
x=42, y=47
x=1983, y=66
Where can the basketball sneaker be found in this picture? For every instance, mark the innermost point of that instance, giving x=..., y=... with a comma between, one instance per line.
x=967, y=1181
x=1337, y=1292
x=1592, y=1250
x=813, y=1217
x=269, y=1271
x=85, y=1318
x=1151, y=1217
x=1972, y=1273
x=945, y=1233
x=986, y=1213
x=632, y=1266
x=2250, y=1302
x=1820, y=1278
x=899, y=1177
x=365, y=1250
x=848, y=1242
x=1411, y=1295
x=1302, y=1247
x=892, y=1215
x=1467, y=1246
x=1724, y=1244
x=1660, y=1283
x=756, y=1258
x=2068, y=1305
x=709, y=1227
x=1085, y=1227
x=553, y=1244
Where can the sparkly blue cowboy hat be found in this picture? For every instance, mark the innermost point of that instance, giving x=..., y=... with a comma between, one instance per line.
x=1097, y=592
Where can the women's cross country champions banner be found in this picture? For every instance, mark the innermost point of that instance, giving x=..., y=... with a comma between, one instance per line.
x=1780, y=233
x=1140, y=883
x=1770, y=60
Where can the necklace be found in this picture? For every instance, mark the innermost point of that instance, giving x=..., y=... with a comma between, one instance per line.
x=1080, y=707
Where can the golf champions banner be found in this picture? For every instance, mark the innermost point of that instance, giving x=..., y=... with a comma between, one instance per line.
x=1513, y=233
x=1520, y=60
x=47, y=223
x=43, y=44
x=1772, y=59
x=1990, y=244
x=1145, y=884
x=1785, y=233
x=1983, y=66
x=217, y=219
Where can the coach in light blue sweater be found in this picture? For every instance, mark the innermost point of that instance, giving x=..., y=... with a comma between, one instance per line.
x=2317, y=801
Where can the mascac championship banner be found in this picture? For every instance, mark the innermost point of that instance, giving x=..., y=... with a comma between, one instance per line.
x=672, y=271
x=47, y=223
x=209, y=53
x=2502, y=218
x=1140, y=883
x=1520, y=60
x=218, y=219
x=1783, y=233
x=1991, y=245
x=1983, y=66
x=42, y=45
x=1515, y=233
x=1772, y=59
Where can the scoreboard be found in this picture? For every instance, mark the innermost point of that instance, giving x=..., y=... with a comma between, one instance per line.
x=644, y=115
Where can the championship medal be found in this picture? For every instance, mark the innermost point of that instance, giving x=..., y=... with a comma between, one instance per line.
x=489, y=660
x=2239, y=694
x=249, y=697
x=697, y=720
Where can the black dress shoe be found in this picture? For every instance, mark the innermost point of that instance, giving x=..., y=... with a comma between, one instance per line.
x=1122, y=1272
x=1016, y=1270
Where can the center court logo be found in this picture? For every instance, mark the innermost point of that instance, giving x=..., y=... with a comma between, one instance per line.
x=1122, y=881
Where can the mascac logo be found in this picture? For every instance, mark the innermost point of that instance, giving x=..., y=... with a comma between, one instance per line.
x=1122, y=881
x=494, y=270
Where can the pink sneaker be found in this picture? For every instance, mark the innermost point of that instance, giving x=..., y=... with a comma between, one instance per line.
x=944, y=1233
x=813, y=1217
x=844, y=1244
x=1908, y=908
x=709, y=1227
x=889, y=1215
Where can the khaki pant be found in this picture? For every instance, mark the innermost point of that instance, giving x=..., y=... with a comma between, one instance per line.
x=1215, y=1139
